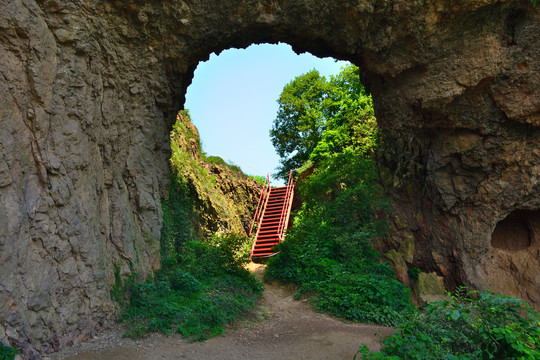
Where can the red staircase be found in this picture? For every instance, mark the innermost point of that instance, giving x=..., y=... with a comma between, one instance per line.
x=271, y=217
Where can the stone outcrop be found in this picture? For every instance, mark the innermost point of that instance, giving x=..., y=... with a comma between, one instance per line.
x=429, y=288
x=224, y=198
x=90, y=90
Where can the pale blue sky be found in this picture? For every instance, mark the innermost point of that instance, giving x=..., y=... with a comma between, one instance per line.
x=233, y=101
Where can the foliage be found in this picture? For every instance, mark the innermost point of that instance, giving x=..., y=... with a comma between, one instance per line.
x=328, y=251
x=473, y=325
x=260, y=179
x=179, y=221
x=216, y=160
x=202, y=285
x=319, y=117
x=329, y=127
x=7, y=353
x=300, y=120
x=413, y=273
x=207, y=289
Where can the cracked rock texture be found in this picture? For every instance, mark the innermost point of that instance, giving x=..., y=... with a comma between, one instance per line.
x=90, y=89
x=223, y=198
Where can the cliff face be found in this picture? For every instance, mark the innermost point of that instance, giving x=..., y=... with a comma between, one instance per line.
x=224, y=199
x=90, y=90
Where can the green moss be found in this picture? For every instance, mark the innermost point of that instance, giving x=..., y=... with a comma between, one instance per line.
x=429, y=284
x=406, y=248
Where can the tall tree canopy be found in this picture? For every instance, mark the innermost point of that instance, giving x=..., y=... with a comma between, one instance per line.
x=319, y=117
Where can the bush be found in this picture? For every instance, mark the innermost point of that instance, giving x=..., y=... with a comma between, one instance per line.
x=7, y=353
x=473, y=325
x=328, y=251
x=206, y=290
x=260, y=179
x=202, y=285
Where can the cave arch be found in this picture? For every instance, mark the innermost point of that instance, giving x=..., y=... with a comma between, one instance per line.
x=90, y=91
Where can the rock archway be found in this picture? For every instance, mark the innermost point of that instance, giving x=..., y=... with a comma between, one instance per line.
x=90, y=89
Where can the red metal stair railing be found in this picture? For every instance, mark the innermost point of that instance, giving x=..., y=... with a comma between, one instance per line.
x=260, y=205
x=263, y=199
x=286, y=210
x=272, y=217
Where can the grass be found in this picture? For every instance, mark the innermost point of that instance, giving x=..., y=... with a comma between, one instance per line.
x=207, y=289
x=202, y=285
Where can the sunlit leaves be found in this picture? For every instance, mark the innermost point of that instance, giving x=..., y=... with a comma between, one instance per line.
x=319, y=117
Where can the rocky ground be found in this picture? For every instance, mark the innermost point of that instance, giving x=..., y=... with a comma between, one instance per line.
x=279, y=328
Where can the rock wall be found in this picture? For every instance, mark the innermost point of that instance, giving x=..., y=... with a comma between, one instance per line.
x=90, y=90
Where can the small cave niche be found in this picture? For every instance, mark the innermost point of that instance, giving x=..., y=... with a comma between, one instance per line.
x=516, y=231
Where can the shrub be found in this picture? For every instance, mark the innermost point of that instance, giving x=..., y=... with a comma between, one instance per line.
x=328, y=251
x=202, y=285
x=260, y=179
x=7, y=353
x=206, y=290
x=473, y=325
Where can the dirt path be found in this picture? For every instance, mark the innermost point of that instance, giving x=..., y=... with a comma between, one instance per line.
x=281, y=328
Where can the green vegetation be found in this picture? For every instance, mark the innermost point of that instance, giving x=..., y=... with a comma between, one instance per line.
x=319, y=117
x=202, y=285
x=329, y=255
x=474, y=325
x=329, y=252
x=7, y=353
x=260, y=179
x=219, y=161
x=207, y=289
x=212, y=187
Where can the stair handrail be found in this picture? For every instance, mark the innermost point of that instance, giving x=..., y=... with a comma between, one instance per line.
x=285, y=210
x=258, y=212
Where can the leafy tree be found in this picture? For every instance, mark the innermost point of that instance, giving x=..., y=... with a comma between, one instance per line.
x=300, y=121
x=319, y=117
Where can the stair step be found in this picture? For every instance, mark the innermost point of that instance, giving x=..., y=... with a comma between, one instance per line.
x=267, y=227
x=270, y=220
x=266, y=243
x=275, y=203
x=263, y=249
x=263, y=254
x=273, y=211
x=266, y=231
x=271, y=238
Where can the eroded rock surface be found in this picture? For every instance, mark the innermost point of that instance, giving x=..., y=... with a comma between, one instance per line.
x=224, y=199
x=90, y=89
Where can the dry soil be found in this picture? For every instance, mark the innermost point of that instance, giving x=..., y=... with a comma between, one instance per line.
x=279, y=328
